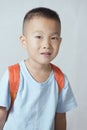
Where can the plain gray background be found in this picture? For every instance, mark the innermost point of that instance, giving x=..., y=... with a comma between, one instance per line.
x=73, y=52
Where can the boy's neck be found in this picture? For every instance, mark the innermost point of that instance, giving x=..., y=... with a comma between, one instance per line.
x=40, y=72
x=37, y=67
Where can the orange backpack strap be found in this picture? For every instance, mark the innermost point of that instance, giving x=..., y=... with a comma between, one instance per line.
x=14, y=79
x=59, y=76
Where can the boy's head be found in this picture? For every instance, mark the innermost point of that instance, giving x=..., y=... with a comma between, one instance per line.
x=41, y=12
x=41, y=34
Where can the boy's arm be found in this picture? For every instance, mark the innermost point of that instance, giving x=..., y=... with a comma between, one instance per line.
x=60, y=121
x=3, y=115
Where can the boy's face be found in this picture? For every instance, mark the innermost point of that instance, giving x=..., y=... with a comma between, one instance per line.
x=41, y=39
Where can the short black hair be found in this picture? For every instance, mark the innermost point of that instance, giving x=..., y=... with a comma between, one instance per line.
x=41, y=12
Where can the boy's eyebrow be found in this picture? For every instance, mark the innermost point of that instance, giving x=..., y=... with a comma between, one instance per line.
x=53, y=33
x=37, y=32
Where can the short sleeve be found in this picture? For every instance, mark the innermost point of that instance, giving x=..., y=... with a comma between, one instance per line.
x=66, y=99
x=4, y=91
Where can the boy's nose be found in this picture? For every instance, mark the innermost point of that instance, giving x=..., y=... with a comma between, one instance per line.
x=46, y=44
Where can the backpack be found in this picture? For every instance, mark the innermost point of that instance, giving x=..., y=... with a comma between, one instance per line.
x=14, y=80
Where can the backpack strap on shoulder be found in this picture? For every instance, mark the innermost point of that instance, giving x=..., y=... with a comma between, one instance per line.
x=14, y=79
x=59, y=77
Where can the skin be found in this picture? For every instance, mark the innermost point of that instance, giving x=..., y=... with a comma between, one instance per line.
x=41, y=40
x=60, y=121
x=3, y=114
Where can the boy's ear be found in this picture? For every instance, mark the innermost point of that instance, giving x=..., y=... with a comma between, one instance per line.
x=60, y=40
x=23, y=41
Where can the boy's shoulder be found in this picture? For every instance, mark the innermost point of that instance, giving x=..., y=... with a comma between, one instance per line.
x=14, y=79
x=59, y=76
x=14, y=75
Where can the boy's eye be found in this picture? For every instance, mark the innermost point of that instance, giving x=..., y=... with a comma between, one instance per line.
x=38, y=37
x=54, y=38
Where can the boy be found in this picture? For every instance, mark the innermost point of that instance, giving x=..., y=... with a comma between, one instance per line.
x=38, y=104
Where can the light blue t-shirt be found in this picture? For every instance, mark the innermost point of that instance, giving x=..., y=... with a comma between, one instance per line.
x=36, y=103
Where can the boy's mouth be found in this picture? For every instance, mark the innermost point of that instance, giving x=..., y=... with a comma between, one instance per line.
x=46, y=53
